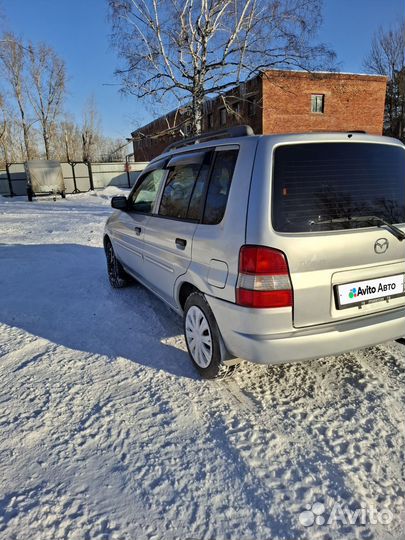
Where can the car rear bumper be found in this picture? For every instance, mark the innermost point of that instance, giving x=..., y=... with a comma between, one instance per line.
x=246, y=334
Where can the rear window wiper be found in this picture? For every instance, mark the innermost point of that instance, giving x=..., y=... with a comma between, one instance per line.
x=379, y=222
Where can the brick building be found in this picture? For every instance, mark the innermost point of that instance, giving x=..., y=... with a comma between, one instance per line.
x=279, y=102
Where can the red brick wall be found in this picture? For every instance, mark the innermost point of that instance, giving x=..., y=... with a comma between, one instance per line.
x=283, y=105
x=147, y=148
x=352, y=102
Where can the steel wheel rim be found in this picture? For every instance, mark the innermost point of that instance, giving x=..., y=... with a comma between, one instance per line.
x=198, y=336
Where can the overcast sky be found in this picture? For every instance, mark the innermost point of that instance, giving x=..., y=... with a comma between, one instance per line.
x=79, y=31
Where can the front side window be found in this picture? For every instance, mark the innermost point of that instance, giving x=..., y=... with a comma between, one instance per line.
x=323, y=186
x=220, y=183
x=144, y=196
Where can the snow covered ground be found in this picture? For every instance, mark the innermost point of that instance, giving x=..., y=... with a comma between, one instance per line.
x=107, y=432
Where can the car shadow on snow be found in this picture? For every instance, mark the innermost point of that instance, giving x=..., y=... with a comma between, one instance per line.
x=61, y=292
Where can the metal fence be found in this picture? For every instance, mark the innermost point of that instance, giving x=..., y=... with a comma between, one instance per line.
x=79, y=177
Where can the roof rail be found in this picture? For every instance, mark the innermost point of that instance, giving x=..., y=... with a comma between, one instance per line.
x=334, y=131
x=236, y=131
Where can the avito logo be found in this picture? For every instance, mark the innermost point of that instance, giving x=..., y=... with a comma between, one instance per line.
x=353, y=293
x=363, y=291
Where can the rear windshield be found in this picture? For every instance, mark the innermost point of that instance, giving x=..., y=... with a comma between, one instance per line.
x=319, y=182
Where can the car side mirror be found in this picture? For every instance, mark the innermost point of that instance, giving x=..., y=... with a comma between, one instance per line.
x=119, y=203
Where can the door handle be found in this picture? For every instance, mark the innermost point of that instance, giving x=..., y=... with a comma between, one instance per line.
x=137, y=230
x=181, y=243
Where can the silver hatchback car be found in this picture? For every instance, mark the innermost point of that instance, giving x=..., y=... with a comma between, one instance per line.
x=273, y=248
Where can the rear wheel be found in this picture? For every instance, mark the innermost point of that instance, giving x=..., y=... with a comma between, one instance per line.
x=29, y=194
x=63, y=194
x=116, y=274
x=203, y=339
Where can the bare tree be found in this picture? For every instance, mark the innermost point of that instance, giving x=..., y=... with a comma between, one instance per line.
x=90, y=130
x=387, y=57
x=194, y=49
x=46, y=93
x=3, y=121
x=37, y=79
x=11, y=141
x=12, y=57
x=4, y=132
x=67, y=142
x=110, y=149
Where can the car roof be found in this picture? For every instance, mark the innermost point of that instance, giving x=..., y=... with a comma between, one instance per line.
x=276, y=139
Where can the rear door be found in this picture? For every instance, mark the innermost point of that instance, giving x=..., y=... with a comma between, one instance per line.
x=169, y=231
x=342, y=265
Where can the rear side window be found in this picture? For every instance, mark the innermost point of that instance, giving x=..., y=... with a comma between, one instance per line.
x=218, y=189
x=196, y=204
x=178, y=191
x=320, y=186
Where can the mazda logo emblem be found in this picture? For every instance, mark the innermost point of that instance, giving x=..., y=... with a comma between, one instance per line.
x=381, y=245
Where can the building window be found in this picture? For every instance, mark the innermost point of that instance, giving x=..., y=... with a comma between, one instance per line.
x=222, y=116
x=317, y=103
x=210, y=120
x=251, y=107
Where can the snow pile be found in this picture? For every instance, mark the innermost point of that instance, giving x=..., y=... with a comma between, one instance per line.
x=109, y=192
x=107, y=432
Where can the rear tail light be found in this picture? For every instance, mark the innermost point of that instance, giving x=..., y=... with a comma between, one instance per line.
x=264, y=279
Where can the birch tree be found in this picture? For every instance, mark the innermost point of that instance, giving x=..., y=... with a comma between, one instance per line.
x=3, y=120
x=47, y=89
x=90, y=129
x=387, y=57
x=12, y=58
x=184, y=51
x=68, y=140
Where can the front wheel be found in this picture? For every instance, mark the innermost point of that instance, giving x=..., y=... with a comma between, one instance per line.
x=203, y=339
x=116, y=274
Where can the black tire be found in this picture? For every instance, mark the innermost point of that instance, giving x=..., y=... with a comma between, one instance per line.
x=216, y=367
x=116, y=274
x=29, y=194
x=63, y=195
